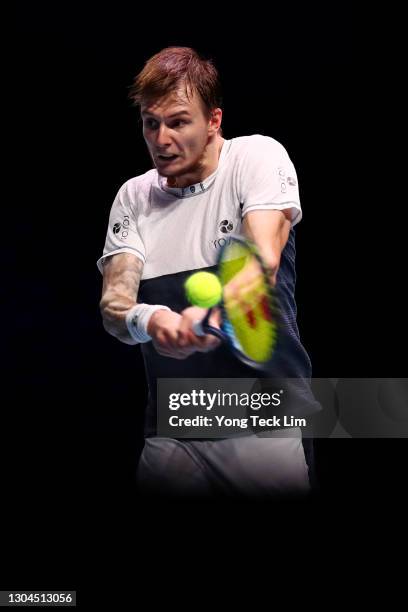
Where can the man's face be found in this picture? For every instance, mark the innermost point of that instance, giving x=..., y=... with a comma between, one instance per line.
x=176, y=132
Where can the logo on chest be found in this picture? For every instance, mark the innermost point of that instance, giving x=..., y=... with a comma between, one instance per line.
x=225, y=226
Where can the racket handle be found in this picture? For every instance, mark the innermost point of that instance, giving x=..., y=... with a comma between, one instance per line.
x=198, y=328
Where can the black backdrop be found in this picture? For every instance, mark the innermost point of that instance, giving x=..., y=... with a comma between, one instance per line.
x=73, y=395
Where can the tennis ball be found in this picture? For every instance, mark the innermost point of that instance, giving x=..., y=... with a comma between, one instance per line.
x=203, y=289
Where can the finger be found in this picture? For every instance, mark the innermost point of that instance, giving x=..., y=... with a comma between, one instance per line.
x=215, y=318
x=186, y=335
x=166, y=345
x=173, y=354
x=172, y=342
x=208, y=343
x=187, y=338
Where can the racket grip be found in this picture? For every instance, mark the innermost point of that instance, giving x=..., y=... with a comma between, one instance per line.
x=198, y=328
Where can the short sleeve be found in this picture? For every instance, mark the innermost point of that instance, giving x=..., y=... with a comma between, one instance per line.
x=122, y=235
x=268, y=178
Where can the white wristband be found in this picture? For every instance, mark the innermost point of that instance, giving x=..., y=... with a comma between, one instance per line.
x=137, y=320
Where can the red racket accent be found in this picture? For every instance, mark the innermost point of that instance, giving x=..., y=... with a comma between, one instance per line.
x=266, y=311
x=251, y=318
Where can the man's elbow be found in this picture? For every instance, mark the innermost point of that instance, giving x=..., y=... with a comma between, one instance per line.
x=271, y=263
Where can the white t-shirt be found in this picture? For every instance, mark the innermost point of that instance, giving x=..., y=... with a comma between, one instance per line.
x=176, y=229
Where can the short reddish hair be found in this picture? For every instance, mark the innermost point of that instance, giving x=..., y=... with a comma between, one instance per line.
x=174, y=66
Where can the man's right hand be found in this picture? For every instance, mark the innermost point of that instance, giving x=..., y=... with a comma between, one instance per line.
x=172, y=336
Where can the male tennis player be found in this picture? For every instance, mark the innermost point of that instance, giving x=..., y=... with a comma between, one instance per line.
x=173, y=220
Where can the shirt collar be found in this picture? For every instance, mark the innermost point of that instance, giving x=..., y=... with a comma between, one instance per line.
x=197, y=188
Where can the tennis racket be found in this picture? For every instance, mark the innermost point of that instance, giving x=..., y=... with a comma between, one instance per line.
x=248, y=306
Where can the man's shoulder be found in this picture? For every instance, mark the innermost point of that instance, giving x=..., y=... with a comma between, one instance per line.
x=257, y=144
x=139, y=184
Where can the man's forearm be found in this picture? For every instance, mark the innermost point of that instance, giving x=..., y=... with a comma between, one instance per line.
x=269, y=230
x=121, y=278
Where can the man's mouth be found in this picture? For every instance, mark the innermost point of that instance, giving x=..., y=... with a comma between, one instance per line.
x=166, y=157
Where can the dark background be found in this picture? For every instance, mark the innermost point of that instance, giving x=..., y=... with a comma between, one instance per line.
x=74, y=396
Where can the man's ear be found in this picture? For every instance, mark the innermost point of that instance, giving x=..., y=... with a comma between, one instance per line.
x=215, y=120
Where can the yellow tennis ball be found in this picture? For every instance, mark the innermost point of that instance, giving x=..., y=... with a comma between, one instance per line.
x=203, y=289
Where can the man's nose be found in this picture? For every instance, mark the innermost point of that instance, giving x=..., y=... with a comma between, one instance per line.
x=163, y=136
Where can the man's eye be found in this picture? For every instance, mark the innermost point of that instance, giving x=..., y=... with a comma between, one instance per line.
x=151, y=123
x=179, y=123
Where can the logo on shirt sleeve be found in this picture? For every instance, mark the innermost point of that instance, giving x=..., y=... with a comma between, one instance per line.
x=282, y=179
x=123, y=227
x=285, y=180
